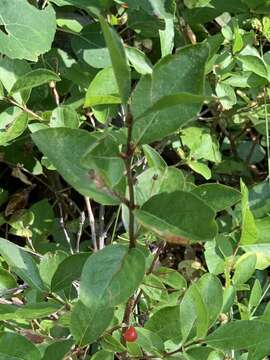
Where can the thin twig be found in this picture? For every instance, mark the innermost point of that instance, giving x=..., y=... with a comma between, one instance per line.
x=63, y=227
x=23, y=108
x=55, y=92
x=79, y=234
x=101, y=227
x=91, y=222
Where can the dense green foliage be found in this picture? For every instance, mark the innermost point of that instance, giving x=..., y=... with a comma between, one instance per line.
x=135, y=191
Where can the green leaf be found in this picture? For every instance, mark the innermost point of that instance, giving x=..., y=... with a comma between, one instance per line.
x=42, y=226
x=213, y=258
x=111, y=276
x=95, y=7
x=260, y=245
x=251, y=335
x=149, y=340
x=110, y=343
x=185, y=70
x=187, y=218
x=103, y=355
x=69, y=270
x=173, y=100
x=64, y=116
x=154, y=159
x=158, y=180
x=88, y=323
x=254, y=64
x=103, y=157
x=39, y=25
x=193, y=312
x=259, y=199
x=171, y=278
x=200, y=168
x=161, y=8
x=13, y=123
x=255, y=295
x=227, y=95
x=167, y=38
x=10, y=71
x=49, y=264
x=166, y=323
x=154, y=181
x=14, y=346
x=90, y=46
x=139, y=60
x=33, y=79
x=21, y=263
x=7, y=281
x=27, y=312
x=249, y=232
x=218, y=196
x=71, y=145
x=154, y=289
x=244, y=268
x=57, y=350
x=148, y=25
x=103, y=89
x=211, y=292
x=118, y=59
x=202, y=144
x=20, y=223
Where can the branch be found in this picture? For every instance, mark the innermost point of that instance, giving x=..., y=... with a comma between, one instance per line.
x=128, y=157
x=91, y=222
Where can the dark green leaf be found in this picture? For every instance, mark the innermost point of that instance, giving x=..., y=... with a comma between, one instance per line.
x=64, y=116
x=71, y=145
x=88, y=323
x=254, y=64
x=245, y=334
x=17, y=347
x=111, y=276
x=211, y=291
x=27, y=312
x=166, y=323
x=21, y=263
x=32, y=79
x=69, y=270
x=90, y=46
x=7, y=281
x=185, y=70
x=193, y=312
x=49, y=264
x=186, y=218
x=218, y=196
x=57, y=350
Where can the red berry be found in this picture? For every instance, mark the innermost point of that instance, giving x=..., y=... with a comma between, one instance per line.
x=130, y=334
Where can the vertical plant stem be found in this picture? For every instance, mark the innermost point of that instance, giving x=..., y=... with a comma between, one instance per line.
x=79, y=234
x=91, y=222
x=63, y=227
x=128, y=157
x=102, y=234
x=267, y=135
x=128, y=163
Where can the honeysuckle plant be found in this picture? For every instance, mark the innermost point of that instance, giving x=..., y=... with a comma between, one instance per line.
x=134, y=174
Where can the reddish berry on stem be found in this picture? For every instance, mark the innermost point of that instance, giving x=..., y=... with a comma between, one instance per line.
x=130, y=334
